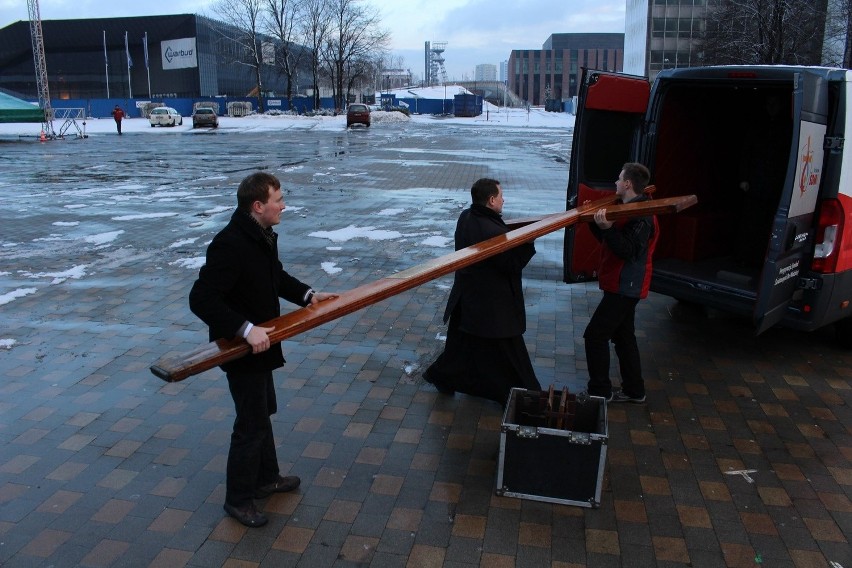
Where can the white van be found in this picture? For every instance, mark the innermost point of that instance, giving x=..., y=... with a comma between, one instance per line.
x=763, y=149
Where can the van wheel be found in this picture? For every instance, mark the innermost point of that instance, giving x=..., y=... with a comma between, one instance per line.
x=843, y=332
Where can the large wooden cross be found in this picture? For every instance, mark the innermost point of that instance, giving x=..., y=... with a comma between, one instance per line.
x=176, y=367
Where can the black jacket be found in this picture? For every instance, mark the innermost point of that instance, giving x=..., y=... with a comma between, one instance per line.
x=242, y=281
x=487, y=297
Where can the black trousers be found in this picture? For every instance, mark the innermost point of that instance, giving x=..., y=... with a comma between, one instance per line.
x=613, y=320
x=252, y=461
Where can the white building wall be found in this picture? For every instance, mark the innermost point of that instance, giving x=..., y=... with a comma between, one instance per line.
x=485, y=72
x=636, y=20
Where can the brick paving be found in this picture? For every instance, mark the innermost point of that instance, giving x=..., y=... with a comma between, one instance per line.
x=742, y=456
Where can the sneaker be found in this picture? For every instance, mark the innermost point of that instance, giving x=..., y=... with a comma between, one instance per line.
x=621, y=396
x=584, y=395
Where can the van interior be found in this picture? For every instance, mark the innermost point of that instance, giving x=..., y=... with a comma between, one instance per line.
x=730, y=146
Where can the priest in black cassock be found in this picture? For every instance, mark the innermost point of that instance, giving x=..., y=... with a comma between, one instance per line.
x=485, y=354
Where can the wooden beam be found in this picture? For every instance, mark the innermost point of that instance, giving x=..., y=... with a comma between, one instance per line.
x=179, y=366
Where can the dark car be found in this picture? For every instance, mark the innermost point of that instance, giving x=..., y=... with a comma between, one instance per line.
x=358, y=114
x=204, y=116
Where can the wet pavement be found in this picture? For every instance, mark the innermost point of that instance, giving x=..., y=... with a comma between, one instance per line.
x=741, y=457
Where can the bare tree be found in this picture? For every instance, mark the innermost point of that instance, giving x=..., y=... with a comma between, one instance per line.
x=282, y=23
x=244, y=20
x=356, y=36
x=764, y=32
x=315, y=25
x=837, y=50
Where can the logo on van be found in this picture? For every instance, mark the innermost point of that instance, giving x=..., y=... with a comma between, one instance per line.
x=809, y=177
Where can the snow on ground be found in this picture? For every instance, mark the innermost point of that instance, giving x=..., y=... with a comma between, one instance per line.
x=492, y=116
x=503, y=118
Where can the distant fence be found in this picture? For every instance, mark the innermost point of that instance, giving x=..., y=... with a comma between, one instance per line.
x=241, y=106
x=141, y=107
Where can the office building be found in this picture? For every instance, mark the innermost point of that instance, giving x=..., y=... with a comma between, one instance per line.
x=553, y=72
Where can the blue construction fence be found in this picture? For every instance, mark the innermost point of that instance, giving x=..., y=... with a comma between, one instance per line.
x=134, y=108
x=459, y=105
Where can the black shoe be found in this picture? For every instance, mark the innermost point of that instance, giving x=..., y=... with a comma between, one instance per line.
x=441, y=388
x=621, y=396
x=282, y=485
x=247, y=515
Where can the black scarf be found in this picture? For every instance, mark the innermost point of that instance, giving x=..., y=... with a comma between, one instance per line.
x=269, y=235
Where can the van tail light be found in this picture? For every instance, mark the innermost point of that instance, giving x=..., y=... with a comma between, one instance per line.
x=828, y=236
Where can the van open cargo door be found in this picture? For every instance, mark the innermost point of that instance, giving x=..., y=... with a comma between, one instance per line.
x=610, y=111
x=792, y=235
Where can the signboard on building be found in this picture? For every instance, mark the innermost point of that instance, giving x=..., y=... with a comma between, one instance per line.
x=267, y=53
x=179, y=53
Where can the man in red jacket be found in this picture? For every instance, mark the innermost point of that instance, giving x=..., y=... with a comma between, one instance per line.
x=118, y=114
x=624, y=277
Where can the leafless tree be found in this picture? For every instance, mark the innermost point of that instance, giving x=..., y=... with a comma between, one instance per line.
x=764, y=32
x=244, y=29
x=282, y=20
x=315, y=25
x=356, y=36
x=838, y=34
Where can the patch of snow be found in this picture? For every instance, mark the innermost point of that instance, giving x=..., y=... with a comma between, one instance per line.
x=14, y=294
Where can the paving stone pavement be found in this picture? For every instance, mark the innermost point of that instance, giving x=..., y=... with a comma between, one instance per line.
x=104, y=465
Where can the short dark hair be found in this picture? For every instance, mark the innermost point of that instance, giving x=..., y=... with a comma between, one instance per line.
x=637, y=174
x=255, y=188
x=483, y=189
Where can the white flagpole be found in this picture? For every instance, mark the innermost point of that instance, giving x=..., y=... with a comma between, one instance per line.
x=127, y=52
x=106, y=64
x=147, y=68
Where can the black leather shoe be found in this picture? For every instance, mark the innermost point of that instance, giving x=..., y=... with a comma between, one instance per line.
x=247, y=515
x=441, y=388
x=282, y=485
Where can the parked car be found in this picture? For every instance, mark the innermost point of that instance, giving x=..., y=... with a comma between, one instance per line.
x=165, y=116
x=358, y=114
x=205, y=116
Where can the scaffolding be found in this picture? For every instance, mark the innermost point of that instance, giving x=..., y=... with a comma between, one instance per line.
x=40, y=69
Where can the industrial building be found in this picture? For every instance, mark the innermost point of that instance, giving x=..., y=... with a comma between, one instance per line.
x=553, y=72
x=666, y=34
x=154, y=57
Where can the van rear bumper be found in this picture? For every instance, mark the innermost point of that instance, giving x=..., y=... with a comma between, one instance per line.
x=726, y=299
x=828, y=302
x=810, y=309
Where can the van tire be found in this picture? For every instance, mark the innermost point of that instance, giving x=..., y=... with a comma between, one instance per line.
x=843, y=332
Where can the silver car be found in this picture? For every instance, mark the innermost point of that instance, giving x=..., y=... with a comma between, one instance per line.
x=165, y=116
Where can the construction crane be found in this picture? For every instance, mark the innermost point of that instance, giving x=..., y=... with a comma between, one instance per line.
x=40, y=69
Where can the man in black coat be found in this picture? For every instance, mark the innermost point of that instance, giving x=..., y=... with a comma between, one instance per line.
x=237, y=289
x=485, y=354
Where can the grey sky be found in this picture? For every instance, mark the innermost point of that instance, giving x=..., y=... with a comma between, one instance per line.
x=476, y=31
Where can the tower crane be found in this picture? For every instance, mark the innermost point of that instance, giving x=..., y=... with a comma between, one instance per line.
x=40, y=68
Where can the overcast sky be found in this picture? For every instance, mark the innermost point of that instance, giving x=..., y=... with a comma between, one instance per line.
x=476, y=31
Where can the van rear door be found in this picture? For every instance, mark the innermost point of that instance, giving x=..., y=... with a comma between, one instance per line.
x=792, y=236
x=610, y=111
